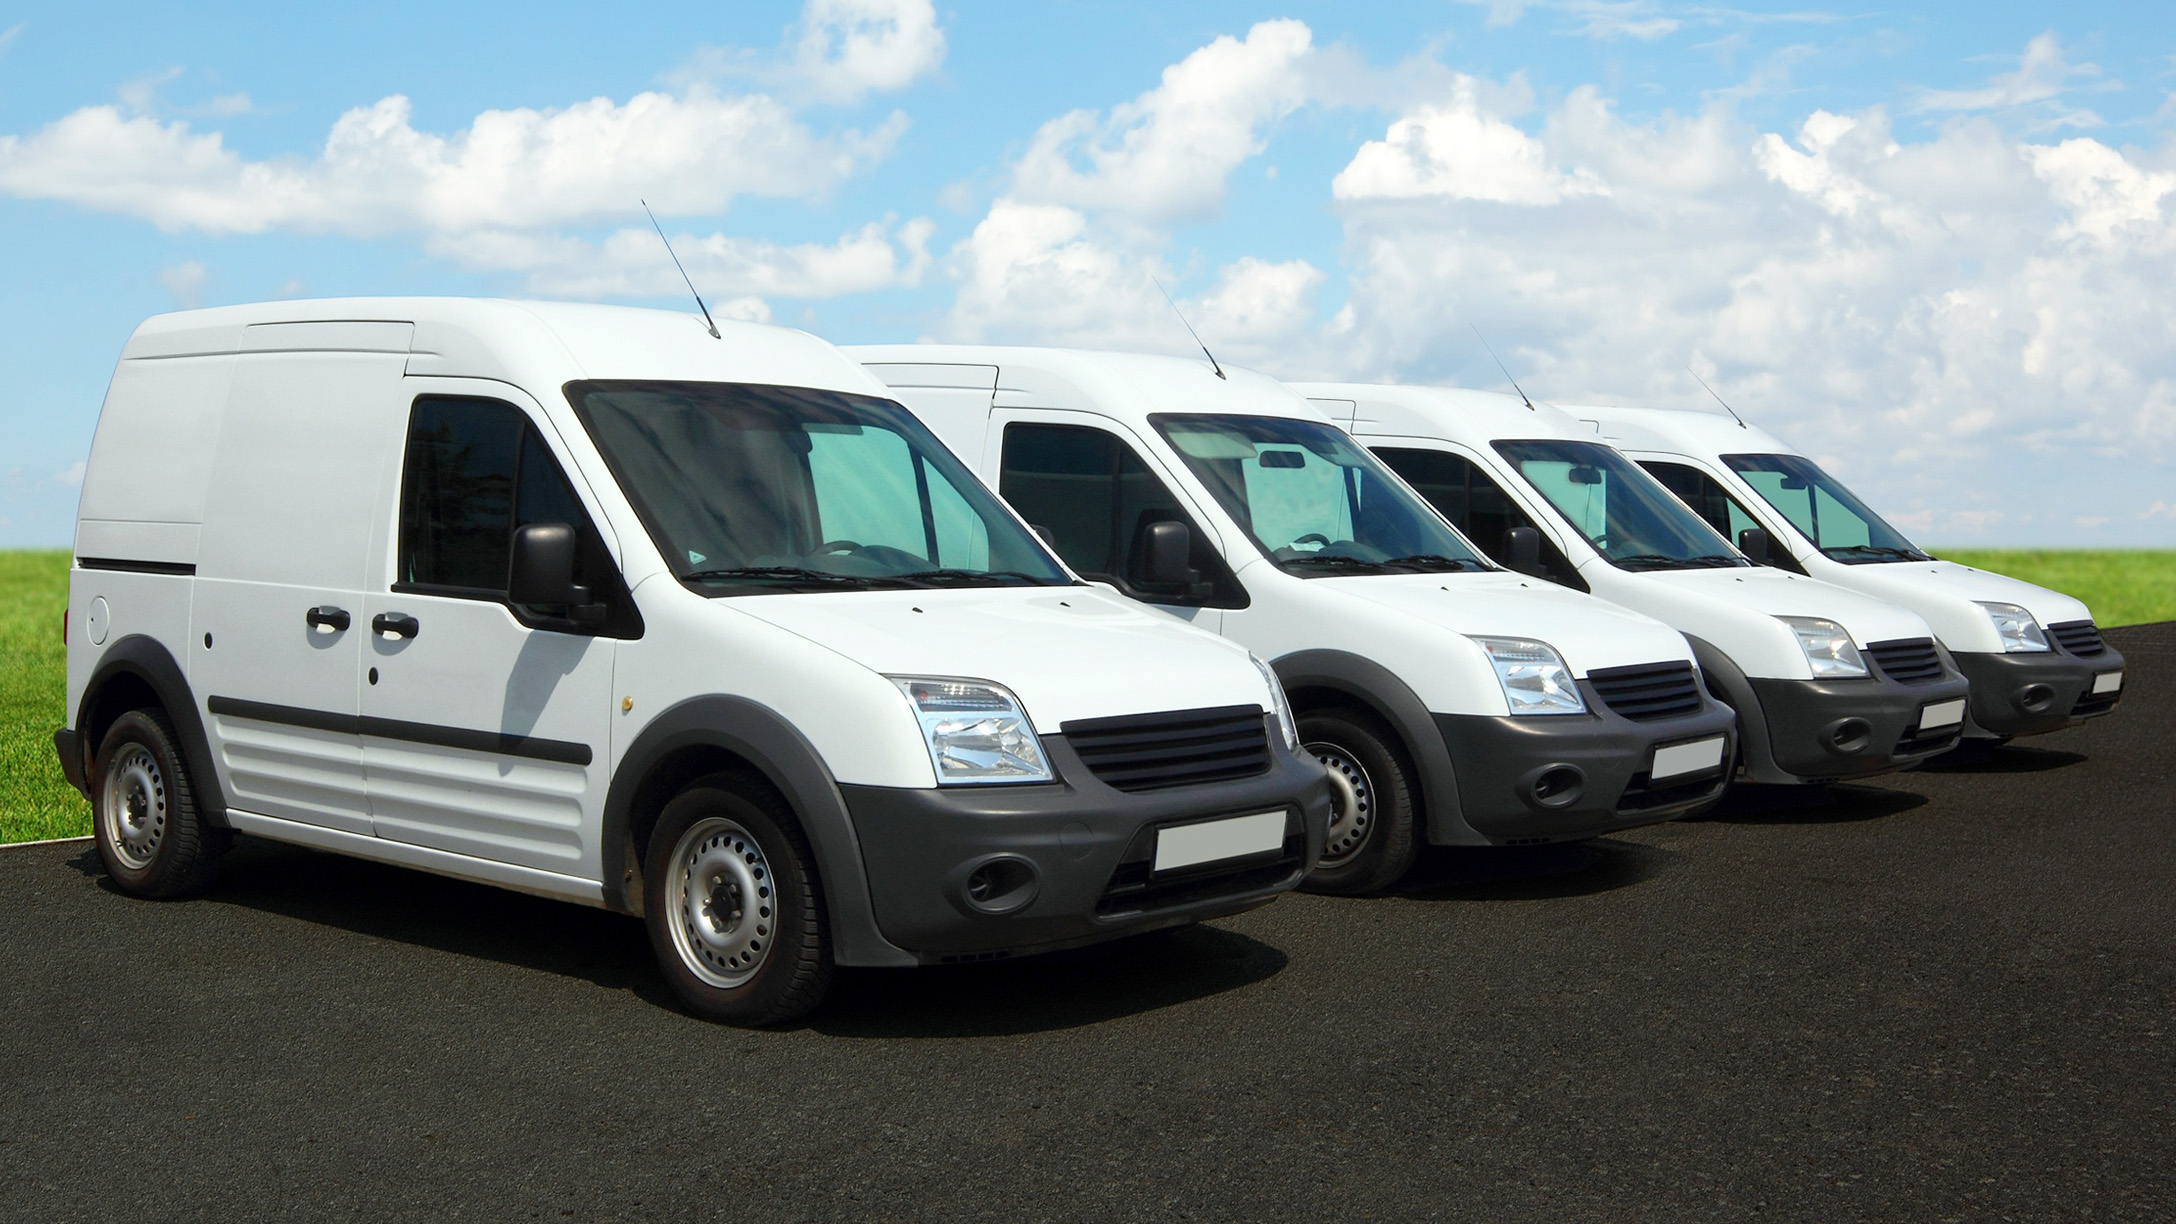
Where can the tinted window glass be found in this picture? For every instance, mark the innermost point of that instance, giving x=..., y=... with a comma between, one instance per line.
x=1465, y=494
x=1714, y=504
x=1097, y=498
x=475, y=470
x=1632, y=521
x=749, y=489
x=1823, y=510
x=1312, y=499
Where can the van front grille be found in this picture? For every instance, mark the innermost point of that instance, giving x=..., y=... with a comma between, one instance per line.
x=1649, y=691
x=1908, y=660
x=2090, y=703
x=1139, y=752
x=2081, y=638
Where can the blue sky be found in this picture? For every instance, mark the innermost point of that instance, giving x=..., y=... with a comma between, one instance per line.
x=1926, y=245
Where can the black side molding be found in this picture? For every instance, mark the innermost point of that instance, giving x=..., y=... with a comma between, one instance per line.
x=69, y=746
x=563, y=751
x=184, y=569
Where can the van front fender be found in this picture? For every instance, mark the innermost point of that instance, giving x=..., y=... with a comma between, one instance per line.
x=1374, y=687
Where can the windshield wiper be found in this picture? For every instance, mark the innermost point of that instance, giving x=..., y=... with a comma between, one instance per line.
x=1712, y=561
x=1647, y=561
x=1879, y=550
x=1431, y=563
x=1335, y=561
x=967, y=577
x=783, y=573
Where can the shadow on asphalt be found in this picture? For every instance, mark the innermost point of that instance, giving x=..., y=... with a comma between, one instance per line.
x=1518, y=873
x=1056, y=991
x=2007, y=759
x=1839, y=803
x=1061, y=990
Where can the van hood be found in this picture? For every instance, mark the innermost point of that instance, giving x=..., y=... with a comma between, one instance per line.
x=1773, y=592
x=1589, y=632
x=1066, y=652
x=1948, y=594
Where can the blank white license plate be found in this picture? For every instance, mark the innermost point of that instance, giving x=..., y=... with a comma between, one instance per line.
x=1941, y=714
x=2107, y=682
x=1686, y=758
x=1188, y=845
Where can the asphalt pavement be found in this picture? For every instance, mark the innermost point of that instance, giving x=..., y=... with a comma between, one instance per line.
x=1945, y=995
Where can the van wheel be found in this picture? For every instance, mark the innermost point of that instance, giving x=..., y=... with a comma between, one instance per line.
x=1371, y=842
x=150, y=837
x=733, y=907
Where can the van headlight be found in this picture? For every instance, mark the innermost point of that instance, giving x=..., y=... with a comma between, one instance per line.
x=1828, y=646
x=976, y=731
x=2019, y=632
x=1287, y=725
x=1533, y=675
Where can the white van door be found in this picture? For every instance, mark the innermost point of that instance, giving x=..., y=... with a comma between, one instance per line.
x=277, y=617
x=485, y=726
x=1093, y=490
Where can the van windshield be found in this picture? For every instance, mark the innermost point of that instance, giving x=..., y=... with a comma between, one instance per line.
x=1312, y=499
x=1631, y=520
x=1823, y=510
x=749, y=489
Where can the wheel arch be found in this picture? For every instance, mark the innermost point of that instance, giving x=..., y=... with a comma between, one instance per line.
x=709, y=735
x=1318, y=678
x=138, y=672
x=1726, y=680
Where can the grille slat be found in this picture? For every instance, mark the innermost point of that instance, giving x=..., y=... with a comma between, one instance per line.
x=1180, y=748
x=2081, y=638
x=1907, y=660
x=1648, y=691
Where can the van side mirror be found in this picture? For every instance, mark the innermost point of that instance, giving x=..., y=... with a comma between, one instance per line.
x=541, y=572
x=1165, y=550
x=1522, y=551
x=1753, y=542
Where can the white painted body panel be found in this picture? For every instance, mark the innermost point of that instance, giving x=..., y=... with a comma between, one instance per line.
x=1733, y=609
x=1415, y=625
x=1943, y=593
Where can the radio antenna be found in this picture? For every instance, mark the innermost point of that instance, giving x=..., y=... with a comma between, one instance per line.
x=1189, y=327
x=1500, y=365
x=1718, y=399
x=707, y=320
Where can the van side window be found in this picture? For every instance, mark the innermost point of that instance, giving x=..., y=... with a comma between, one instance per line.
x=1711, y=501
x=474, y=471
x=1097, y=498
x=1462, y=492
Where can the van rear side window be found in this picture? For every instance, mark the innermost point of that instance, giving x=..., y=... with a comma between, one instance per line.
x=475, y=470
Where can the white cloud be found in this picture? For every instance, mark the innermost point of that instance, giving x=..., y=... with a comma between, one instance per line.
x=523, y=168
x=1454, y=150
x=2043, y=73
x=2160, y=509
x=1165, y=155
x=70, y=477
x=631, y=262
x=9, y=35
x=186, y=281
x=851, y=47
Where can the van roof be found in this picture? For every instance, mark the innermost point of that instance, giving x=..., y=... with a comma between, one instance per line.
x=1681, y=432
x=1121, y=385
x=1452, y=412
x=542, y=344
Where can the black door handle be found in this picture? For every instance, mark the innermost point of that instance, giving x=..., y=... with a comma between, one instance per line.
x=395, y=624
x=325, y=616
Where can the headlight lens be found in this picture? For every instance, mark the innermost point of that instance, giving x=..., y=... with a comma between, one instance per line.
x=1828, y=646
x=2016, y=627
x=1286, y=723
x=1533, y=675
x=976, y=731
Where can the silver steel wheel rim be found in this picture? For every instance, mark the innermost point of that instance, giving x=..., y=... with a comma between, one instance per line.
x=133, y=807
x=1352, y=805
x=720, y=902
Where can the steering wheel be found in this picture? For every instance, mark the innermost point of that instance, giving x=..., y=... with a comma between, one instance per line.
x=838, y=546
x=1311, y=537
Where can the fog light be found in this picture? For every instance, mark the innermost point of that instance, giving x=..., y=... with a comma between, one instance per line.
x=1848, y=735
x=1554, y=786
x=2034, y=698
x=999, y=885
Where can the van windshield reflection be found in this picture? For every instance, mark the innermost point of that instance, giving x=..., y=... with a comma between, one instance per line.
x=1629, y=518
x=749, y=488
x=1823, y=510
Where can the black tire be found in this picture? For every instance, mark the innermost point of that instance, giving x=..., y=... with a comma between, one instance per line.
x=151, y=838
x=769, y=959
x=1374, y=834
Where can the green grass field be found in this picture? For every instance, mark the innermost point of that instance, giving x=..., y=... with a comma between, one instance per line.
x=2122, y=588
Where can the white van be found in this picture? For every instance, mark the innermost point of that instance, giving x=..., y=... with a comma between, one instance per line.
x=1828, y=684
x=594, y=603
x=2034, y=656
x=1454, y=702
